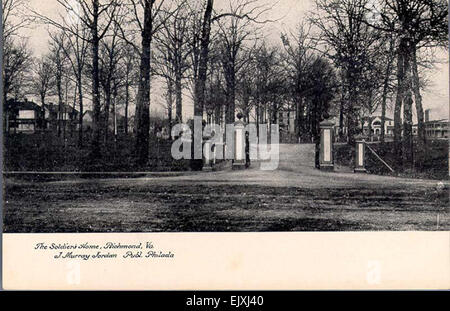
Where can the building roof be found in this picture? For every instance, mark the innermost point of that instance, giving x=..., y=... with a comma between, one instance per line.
x=435, y=121
x=55, y=108
x=374, y=117
x=21, y=105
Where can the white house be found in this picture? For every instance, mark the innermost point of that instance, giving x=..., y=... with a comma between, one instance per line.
x=375, y=126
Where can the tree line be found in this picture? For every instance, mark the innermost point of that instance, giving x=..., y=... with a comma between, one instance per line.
x=346, y=58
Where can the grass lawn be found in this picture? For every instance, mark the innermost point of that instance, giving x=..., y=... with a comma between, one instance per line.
x=434, y=166
x=48, y=152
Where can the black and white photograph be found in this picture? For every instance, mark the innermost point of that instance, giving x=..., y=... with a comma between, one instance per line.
x=145, y=116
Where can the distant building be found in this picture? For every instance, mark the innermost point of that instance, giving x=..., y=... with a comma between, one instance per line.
x=29, y=117
x=62, y=115
x=23, y=117
x=434, y=129
x=372, y=126
x=88, y=117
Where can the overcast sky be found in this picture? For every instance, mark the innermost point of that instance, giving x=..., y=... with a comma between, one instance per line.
x=288, y=14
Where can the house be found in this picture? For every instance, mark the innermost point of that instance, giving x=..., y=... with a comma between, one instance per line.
x=371, y=126
x=434, y=129
x=88, y=117
x=23, y=117
x=62, y=115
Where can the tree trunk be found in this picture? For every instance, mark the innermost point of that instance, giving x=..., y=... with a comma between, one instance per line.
x=385, y=90
x=59, y=90
x=179, y=97
x=95, y=144
x=106, y=115
x=399, y=98
x=127, y=100
x=383, y=111
x=115, y=118
x=80, y=119
x=42, y=116
x=5, y=101
x=143, y=98
x=418, y=101
x=200, y=83
x=170, y=103
x=407, y=143
x=203, y=62
x=352, y=122
x=341, y=117
x=258, y=117
x=299, y=128
x=231, y=96
x=315, y=132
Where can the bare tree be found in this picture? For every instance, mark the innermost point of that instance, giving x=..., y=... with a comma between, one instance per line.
x=202, y=59
x=233, y=34
x=17, y=61
x=321, y=93
x=389, y=59
x=299, y=47
x=246, y=91
x=173, y=52
x=16, y=56
x=59, y=63
x=215, y=90
x=75, y=46
x=146, y=18
x=351, y=44
x=269, y=83
x=14, y=17
x=43, y=81
x=248, y=10
x=128, y=66
x=417, y=24
x=97, y=17
x=111, y=51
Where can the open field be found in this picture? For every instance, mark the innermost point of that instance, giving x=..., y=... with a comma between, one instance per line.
x=296, y=197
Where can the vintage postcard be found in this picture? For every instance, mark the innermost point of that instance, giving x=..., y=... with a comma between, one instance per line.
x=225, y=144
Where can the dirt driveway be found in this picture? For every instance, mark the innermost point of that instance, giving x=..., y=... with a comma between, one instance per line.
x=295, y=197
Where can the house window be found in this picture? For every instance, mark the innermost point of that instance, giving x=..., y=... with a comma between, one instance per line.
x=26, y=127
x=26, y=114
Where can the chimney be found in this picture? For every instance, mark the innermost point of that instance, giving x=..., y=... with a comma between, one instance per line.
x=427, y=115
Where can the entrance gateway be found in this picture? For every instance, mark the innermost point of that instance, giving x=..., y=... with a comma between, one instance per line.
x=326, y=157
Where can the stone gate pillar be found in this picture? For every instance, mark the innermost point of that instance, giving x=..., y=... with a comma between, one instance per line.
x=326, y=145
x=207, y=154
x=360, y=154
x=239, y=144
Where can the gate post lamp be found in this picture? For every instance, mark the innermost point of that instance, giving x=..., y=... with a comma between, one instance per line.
x=326, y=161
x=360, y=153
x=239, y=143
